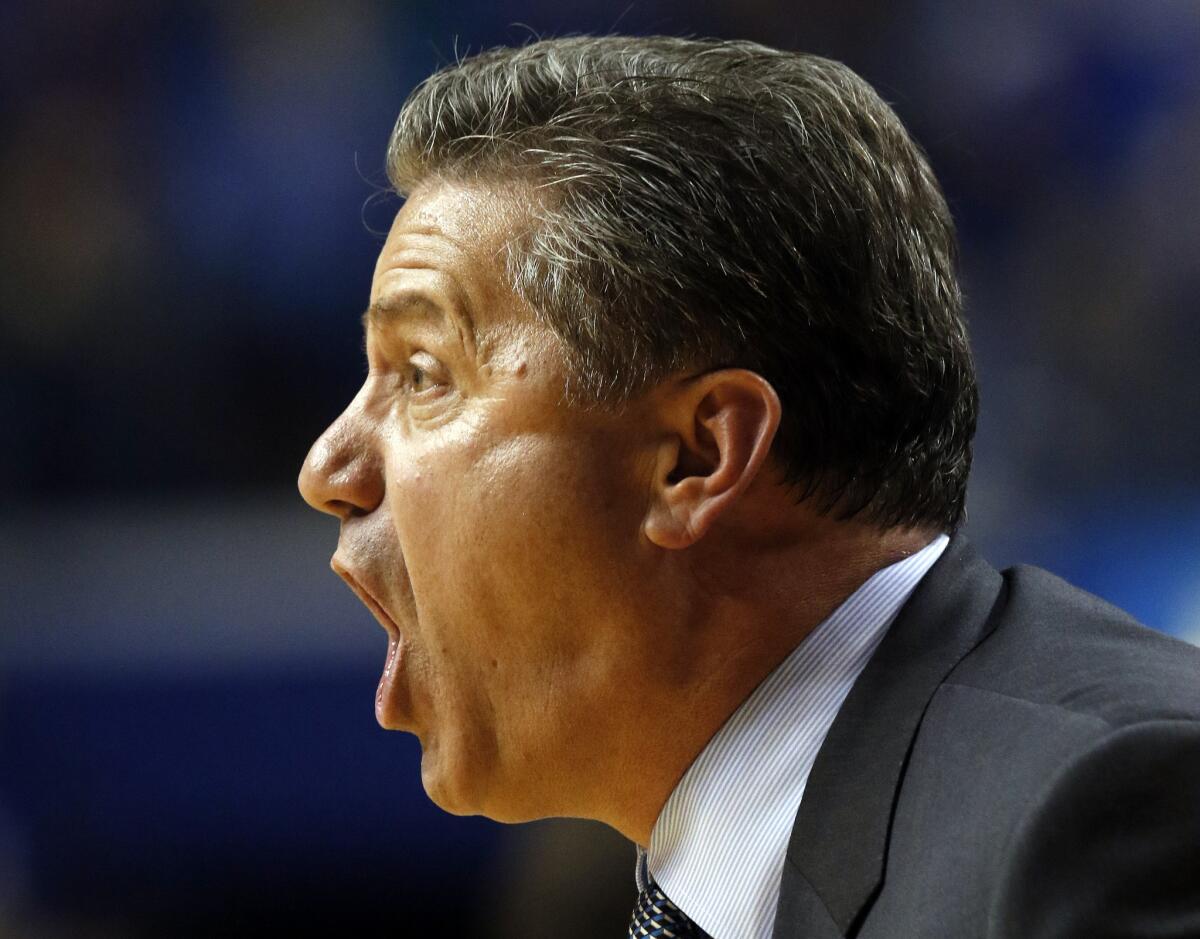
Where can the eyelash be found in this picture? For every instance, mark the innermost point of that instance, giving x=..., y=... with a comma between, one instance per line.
x=410, y=370
x=428, y=378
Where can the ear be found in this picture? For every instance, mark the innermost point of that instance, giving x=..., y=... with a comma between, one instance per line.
x=720, y=428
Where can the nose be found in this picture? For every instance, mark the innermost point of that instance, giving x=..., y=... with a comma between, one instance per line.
x=343, y=472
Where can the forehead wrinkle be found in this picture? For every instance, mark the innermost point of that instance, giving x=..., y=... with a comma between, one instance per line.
x=480, y=226
x=410, y=302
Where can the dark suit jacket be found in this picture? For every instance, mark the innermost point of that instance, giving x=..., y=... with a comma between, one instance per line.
x=1019, y=760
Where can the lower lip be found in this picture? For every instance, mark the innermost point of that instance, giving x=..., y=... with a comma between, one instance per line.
x=390, y=697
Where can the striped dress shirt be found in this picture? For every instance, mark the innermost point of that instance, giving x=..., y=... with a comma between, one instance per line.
x=718, y=847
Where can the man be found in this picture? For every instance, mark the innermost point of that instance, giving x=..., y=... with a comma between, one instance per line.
x=654, y=483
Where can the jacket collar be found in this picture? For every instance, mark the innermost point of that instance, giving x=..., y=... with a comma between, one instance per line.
x=838, y=846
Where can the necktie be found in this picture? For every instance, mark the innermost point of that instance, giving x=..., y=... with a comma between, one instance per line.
x=655, y=915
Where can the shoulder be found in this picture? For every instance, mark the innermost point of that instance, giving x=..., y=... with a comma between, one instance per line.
x=1072, y=735
x=1029, y=712
x=1111, y=843
x=1054, y=645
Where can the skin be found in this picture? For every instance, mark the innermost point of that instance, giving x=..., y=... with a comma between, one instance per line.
x=561, y=586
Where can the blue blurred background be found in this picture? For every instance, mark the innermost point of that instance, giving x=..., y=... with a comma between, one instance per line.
x=191, y=204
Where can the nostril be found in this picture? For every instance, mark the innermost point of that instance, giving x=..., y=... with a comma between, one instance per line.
x=350, y=510
x=342, y=474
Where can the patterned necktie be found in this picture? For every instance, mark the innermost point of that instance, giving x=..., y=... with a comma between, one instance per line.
x=655, y=915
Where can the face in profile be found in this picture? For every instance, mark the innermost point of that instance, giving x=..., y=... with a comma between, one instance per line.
x=492, y=530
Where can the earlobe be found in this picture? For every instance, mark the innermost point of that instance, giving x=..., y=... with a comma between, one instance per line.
x=668, y=524
x=722, y=426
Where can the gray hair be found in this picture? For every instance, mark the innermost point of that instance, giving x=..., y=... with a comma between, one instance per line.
x=701, y=204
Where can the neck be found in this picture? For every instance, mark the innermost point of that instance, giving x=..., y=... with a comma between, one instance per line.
x=736, y=611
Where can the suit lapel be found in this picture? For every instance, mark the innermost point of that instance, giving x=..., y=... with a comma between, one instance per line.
x=838, y=846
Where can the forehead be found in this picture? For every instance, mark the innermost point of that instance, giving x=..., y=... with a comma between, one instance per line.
x=452, y=239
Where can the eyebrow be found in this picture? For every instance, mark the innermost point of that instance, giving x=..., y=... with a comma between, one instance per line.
x=408, y=304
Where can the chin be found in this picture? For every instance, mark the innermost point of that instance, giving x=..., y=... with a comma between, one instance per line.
x=451, y=792
x=465, y=792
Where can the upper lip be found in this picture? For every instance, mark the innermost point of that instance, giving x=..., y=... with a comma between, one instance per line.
x=356, y=584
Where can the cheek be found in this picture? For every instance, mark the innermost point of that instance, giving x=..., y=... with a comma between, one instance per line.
x=497, y=501
x=450, y=506
x=541, y=495
x=514, y=547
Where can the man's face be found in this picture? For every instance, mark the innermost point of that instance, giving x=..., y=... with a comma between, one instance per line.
x=494, y=532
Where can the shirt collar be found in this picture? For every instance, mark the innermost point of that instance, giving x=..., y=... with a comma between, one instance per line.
x=718, y=847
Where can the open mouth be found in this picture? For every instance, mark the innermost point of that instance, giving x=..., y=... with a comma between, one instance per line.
x=391, y=697
x=368, y=600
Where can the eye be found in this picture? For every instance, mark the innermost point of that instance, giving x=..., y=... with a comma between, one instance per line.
x=416, y=377
x=423, y=375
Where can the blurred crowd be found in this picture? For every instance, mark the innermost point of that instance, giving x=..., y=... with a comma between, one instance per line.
x=188, y=214
x=193, y=197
